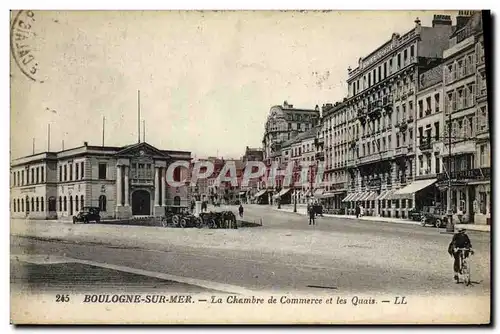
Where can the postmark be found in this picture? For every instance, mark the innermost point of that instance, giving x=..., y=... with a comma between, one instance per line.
x=23, y=45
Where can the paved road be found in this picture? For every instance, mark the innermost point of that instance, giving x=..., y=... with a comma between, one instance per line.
x=344, y=255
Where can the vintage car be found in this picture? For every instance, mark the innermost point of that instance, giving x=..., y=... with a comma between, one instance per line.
x=87, y=215
x=435, y=216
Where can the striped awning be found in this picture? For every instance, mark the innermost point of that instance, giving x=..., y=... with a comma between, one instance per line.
x=385, y=194
x=319, y=192
x=412, y=188
x=349, y=197
x=282, y=192
x=260, y=193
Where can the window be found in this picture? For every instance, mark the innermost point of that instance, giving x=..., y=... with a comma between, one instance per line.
x=82, y=171
x=438, y=166
x=102, y=171
x=32, y=175
x=482, y=202
x=22, y=205
x=177, y=174
x=60, y=173
x=60, y=203
x=65, y=173
x=436, y=102
x=399, y=61
x=482, y=156
x=76, y=172
x=81, y=201
x=71, y=172
x=436, y=131
x=405, y=55
x=14, y=204
x=102, y=203
x=65, y=204
x=76, y=199
x=52, y=203
x=37, y=204
x=412, y=51
x=32, y=204
x=42, y=174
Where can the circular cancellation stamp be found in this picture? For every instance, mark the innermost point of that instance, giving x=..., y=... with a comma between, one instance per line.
x=23, y=44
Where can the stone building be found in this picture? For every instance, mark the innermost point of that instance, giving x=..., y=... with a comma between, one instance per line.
x=122, y=181
x=465, y=94
x=284, y=123
x=381, y=107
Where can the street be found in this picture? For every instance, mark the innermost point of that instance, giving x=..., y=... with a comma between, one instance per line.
x=285, y=254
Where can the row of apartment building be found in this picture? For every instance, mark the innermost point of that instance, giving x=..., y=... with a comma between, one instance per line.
x=386, y=145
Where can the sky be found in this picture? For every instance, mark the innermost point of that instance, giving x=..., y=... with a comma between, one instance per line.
x=207, y=79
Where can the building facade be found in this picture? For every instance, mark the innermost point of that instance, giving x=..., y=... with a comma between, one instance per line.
x=380, y=113
x=284, y=123
x=332, y=143
x=122, y=181
x=466, y=112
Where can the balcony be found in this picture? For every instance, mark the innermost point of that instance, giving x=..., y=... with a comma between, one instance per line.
x=401, y=151
x=387, y=100
x=368, y=159
x=425, y=145
x=467, y=175
x=320, y=156
x=374, y=108
x=351, y=163
x=141, y=182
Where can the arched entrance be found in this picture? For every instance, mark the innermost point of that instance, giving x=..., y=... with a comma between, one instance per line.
x=141, y=203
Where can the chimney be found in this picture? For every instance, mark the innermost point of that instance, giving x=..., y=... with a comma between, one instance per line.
x=441, y=20
x=316, y=108
x=462, y=18
x=85, y=143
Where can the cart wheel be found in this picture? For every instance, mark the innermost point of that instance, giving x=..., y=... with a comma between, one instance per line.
x=199, y=222
x=212, y=224
x=439, y=223
x=175, y=220
x=422, y=222
x=183, y=222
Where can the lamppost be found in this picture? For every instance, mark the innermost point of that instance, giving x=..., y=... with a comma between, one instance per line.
x=294, y=200
x=450, y=226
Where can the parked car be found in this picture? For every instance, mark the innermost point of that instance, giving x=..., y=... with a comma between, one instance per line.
x=415, y=215
x=433, y=216
x=87, y=215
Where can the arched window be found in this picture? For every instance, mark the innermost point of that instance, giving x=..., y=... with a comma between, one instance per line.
x=37, y=204
x=22, y=204
x=42, y=206
x=177, y=200
x=52, y=203
x=76, y=199
x=18, y=207
x=102, y=203
x=65, y=204
x=81, y=200
x=177, y=174
x=32, y=204
x=14, y=204
x=60, y=203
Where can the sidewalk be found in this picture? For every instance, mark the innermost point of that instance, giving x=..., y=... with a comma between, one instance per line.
x=303, y=211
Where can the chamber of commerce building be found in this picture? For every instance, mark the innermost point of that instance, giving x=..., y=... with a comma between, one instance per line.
x=122, y=181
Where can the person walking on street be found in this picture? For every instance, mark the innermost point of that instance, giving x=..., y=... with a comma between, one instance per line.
x=358, y=210
x=311, y=215
x=240, y=210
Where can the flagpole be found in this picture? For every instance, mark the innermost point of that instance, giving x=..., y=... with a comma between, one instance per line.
x=138, y=116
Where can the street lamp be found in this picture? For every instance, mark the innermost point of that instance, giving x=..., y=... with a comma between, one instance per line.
x=450, y=226
x=294, y=200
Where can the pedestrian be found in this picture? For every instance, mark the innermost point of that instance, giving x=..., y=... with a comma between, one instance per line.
x=361, y=211
x=358, y=210
x=311, y=215
x=240, y=210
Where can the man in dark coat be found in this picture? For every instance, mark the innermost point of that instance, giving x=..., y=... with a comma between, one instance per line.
x=358, y=211
x=240, y=210
x=460, y=240
x=311, y=215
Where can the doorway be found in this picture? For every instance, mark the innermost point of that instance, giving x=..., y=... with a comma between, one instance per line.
x=141, y=203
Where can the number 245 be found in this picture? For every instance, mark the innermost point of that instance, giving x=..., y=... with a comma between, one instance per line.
x=62, y=298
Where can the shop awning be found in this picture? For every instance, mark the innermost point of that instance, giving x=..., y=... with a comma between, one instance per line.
x=328, y=195
x=260, y=193
x=366, y=196
x=412, y=188
x=283, y=192
x=385, y=195
x=349, y=197
x=318, y=193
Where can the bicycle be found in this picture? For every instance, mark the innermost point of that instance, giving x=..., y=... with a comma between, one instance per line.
x=464, y=264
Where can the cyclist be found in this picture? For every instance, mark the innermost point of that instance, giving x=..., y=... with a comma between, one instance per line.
x=460, y=240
